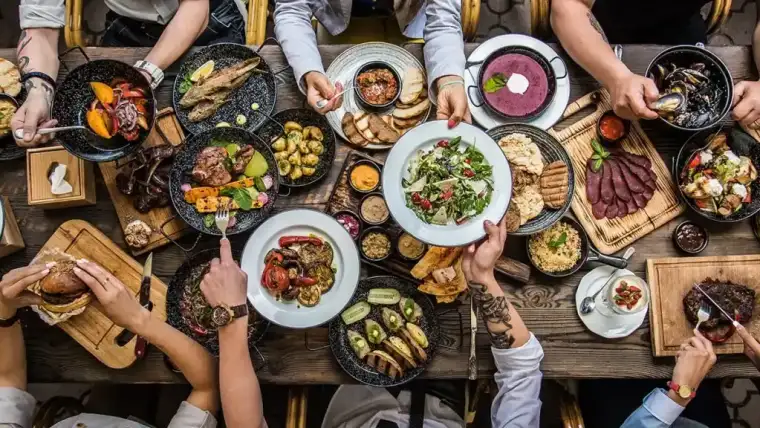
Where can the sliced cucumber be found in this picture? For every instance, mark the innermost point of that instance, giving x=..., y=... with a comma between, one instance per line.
x=241, y=120
x=356, y=312
x=383, y=296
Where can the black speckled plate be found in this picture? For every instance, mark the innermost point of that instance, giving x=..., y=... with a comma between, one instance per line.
x=259, y=88
x=304, y=117
x=345, y=355
x=183, y=165
x=9, y=150
x=257, y=325
x=73, y=98
x=551, y=150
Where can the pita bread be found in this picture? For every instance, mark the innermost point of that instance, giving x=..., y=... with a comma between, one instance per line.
x=407, y=113
x=446, y=299
x=435, y=258
x=455, y=286
x=412, y=85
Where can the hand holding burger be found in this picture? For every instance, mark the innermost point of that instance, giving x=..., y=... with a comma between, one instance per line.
x=62, y=291
x=13, y=288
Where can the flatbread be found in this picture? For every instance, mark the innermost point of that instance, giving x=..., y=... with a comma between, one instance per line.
x=446, y=299
x=456, y=286
x=407, y=113
x=435, y=258
x=407, y=123
x=529, y=201
x=10, y=78
x=513, y=217
x=412, y=85
x=522, y=152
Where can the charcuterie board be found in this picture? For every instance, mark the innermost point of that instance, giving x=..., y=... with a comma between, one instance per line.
x=92, y=328
x=671, y=278
x=612, y=235
x=166, y=130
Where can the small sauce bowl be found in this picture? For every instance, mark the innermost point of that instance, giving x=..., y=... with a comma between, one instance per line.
x=361, y=209
x=367, y=163
x=608, y=127
x=690, y=237
x=350, y=214
x=363, y=102
x=381, y=231
x=404, y=236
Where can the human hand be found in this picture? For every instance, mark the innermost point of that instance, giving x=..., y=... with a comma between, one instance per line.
x=694, y=360
x=34, y=114
x=479, y=260
x=631, y=94
x=751, y=345
x=225, y=282
x=319, y=87
x=13, y=288
x=746, y=104
x=452, y=101
x=117, y=300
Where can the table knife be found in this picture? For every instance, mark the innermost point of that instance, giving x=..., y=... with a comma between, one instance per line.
x=725, y=314
x=142, y=345
x=472, y=367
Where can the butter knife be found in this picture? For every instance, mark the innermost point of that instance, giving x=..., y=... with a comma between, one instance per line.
x=142, y=345
x=472, y=366
x=725, y=314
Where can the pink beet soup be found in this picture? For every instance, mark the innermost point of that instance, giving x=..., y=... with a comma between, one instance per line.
x=515, y=104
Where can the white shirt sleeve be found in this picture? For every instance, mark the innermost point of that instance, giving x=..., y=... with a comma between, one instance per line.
x=16, y=408
x=519, y=380
x=42, y=14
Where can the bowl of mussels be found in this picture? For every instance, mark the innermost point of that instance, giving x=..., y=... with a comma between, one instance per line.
x=695, y=87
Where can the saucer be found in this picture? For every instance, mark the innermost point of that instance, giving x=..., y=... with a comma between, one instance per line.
x=610, y=327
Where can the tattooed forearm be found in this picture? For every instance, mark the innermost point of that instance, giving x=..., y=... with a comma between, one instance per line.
x=47, y=89
x=594, y=23
x=23, y=60
x=495, y=312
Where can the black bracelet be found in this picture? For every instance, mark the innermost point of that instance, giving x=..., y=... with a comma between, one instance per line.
x=9, y=322
x=39, y=75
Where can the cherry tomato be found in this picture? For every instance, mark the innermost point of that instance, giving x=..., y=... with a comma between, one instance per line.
x=416, y=198
x=447, y=195
x=468, y=173
x=443, y=143
x=425, y=204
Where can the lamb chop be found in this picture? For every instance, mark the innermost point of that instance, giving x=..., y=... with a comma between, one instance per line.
x=220, y=80
x=243, y=156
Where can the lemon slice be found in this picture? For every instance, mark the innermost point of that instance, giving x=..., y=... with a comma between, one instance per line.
x=203, y=71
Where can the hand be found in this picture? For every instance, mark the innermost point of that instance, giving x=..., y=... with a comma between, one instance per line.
x=13, y=288
x=452, y=101
x=479, y=261
x=225, y=282
x=695, y=359
x=34, y=114
x=319, y=87
x=631, y=95
x=117, y=300
x=747, y=104
x=751, y=345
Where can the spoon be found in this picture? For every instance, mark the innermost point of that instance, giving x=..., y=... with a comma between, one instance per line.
x=323, y=102
x=589, y=302
x=19, y=134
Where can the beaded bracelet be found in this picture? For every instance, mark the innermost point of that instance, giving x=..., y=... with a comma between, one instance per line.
x=39, y=75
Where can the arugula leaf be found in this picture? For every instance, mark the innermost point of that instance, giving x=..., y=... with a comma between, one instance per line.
x=495, y=83
x=559, y=241
x=185, y=84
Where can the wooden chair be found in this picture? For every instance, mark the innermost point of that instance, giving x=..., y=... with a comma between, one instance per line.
x=540, y=10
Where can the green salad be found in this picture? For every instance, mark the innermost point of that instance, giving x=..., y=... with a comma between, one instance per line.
x=448, y=184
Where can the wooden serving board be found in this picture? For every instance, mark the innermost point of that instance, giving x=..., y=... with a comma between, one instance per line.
x=612, y=235
x=92, y=328
x=166, y=123
x=345, y=198
x=671, y=278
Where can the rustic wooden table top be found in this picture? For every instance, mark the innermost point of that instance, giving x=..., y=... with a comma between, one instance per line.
x=546, y=305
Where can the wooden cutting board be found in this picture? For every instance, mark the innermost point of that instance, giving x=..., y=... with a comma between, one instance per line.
x=671, y=278
x=612, y=235
x=166, y=123
x=92, y=328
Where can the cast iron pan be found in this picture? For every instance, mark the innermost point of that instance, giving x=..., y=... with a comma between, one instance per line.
x=588, y=254
x=191, y=270
x=183, y=166
x=304, y=117
x=740, y=143
x=551, y=150
x=9, y=150
x=73, y=98
x=345, y=355
x=522, y=50
x=259, y=88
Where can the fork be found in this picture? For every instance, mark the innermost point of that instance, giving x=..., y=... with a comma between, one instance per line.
x=222, y=219
x=703, y=314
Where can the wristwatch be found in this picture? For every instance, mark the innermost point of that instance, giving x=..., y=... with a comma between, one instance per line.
x=155, y=72
x=683, y=391
x=5, y=323
x=224, y=315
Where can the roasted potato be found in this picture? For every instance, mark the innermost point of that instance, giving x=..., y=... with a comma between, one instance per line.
x=296, y=173
x=281, y=155
x=310, y=160
x=292, y=126
x=279, y=145
x=295, y=159
x=292, y=147
x=303, y=147
x=316, y=147
x=308, y=171
x=283, y=166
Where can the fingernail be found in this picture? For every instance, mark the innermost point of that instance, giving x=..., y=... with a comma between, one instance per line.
x=488, y=223
x=452, y=123
x=49, y=264
x=81, y=261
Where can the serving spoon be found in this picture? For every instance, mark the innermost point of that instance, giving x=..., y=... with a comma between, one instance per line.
x=323, y=102
x=19, y=134
x=589, y=302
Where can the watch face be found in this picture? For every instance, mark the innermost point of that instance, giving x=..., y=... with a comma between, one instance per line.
x=221, y=316
x=684, y=391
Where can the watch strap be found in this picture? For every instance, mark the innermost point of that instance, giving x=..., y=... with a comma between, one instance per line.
x=5, y=323
x=676, y=388
x=239, y=311
x=155, y=72
x=40, y=75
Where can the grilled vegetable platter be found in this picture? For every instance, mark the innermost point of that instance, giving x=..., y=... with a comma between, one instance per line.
x=388, y=333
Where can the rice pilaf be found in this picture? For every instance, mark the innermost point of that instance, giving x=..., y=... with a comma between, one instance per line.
x=551, y=252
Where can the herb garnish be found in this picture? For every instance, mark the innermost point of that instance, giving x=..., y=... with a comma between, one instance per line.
x=600, y=154
x=495, y=83
x=559, y=241
x=185, y=84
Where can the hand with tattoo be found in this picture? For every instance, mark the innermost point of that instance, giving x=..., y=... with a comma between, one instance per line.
x=34, y=113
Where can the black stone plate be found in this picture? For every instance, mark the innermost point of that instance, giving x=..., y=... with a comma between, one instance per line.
x=304, y=117
x=9, y=150
x=345, y=355
x=256, y=329
x=259, y=88
x=183, y=165
x=551, y=150
x=742, y=144
x=73, y=98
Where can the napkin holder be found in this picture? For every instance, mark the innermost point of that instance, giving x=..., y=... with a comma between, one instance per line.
x=10, y=237
x=79, y=174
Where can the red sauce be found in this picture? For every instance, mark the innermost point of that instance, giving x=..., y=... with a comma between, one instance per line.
x=378, y=86
x=611, y=127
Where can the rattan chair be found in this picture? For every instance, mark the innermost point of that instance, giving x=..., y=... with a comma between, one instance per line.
x=540, y=24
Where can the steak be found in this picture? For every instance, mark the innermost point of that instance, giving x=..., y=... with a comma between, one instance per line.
x=209, y=167
x=737, y=300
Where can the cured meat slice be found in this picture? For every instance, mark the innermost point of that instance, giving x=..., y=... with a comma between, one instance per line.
x=643, y=174
x=640, y=200
x=622, y=208
x=633, y=182
x=599, y=209
x=621, y=189
x=637, y=159
x=648, y=194
x=632, y=207
x=651, y=185
x=612, y=210
x=593, y=183
x=607, y=189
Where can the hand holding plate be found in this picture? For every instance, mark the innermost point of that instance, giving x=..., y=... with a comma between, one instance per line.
x=479, y=260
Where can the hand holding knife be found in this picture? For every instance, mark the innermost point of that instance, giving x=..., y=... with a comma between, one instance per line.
x=472, y=367
x=142, y=345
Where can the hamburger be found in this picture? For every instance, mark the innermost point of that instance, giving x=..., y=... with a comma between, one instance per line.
x=62, y=291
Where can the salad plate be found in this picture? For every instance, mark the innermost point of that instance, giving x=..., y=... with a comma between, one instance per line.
x=440, y=184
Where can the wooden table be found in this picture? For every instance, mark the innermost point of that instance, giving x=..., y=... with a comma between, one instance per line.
x=547, y=306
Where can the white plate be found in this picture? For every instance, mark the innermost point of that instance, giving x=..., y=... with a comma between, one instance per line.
x=610, y=327
x=424, y=137
x=553, y=112
x=345, y=260
x=343, y=68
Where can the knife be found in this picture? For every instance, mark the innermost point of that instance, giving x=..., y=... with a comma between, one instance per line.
x=725, y=314
x=142, y=345
x=472, y=366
